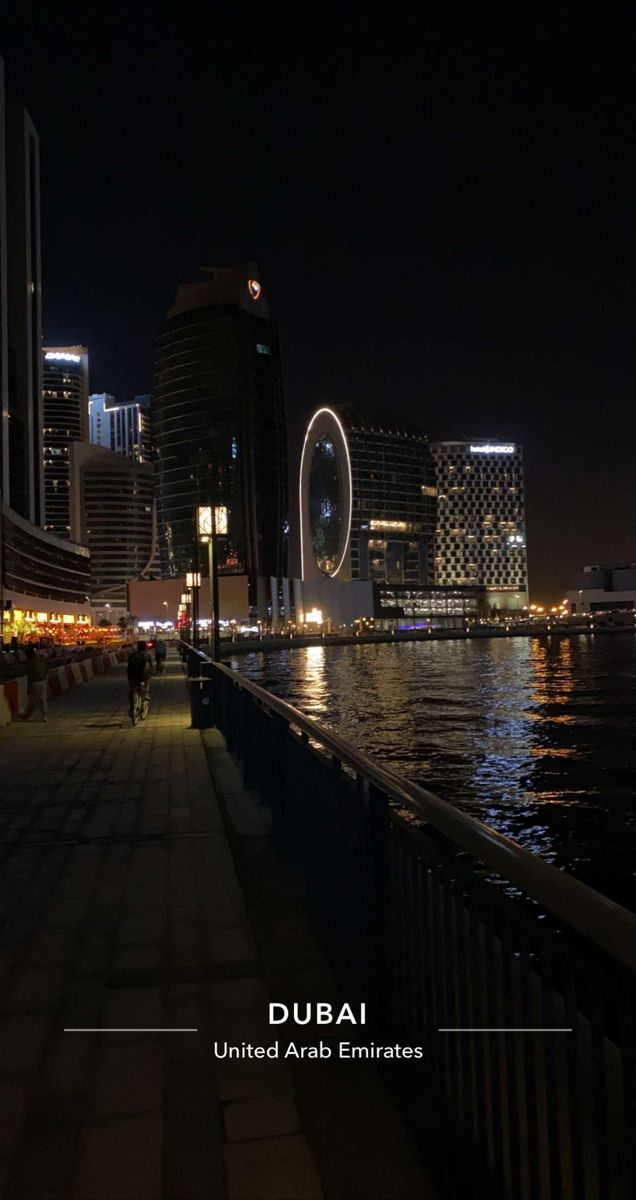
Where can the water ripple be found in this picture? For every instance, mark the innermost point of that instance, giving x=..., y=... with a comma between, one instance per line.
x=534, y=736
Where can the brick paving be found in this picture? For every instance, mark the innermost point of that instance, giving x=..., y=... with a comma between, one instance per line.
x=120, y=908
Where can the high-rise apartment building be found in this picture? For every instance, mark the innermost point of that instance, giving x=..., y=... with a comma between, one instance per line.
x=219, y=429
x=367, y=500
x=481, y=529
x=124, y=428
x=65, y=416
x=112, y=513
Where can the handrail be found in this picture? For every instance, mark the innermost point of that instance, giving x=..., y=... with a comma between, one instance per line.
x=608, y=925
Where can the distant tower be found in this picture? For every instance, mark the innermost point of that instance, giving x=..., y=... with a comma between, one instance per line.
x=481, y=528
x=65, y=417
x=124, y=428
x=112, y=512
x=218, y=427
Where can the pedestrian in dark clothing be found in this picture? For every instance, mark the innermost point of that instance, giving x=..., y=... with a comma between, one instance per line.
x=37, y=670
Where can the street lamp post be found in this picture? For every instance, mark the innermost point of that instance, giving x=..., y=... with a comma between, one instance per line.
x=193, y=583
x=186, y=599
x=212, y=524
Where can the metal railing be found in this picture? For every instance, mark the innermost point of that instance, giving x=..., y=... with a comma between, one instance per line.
x=446, y=926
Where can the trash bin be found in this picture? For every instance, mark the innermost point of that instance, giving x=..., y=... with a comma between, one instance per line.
x=202, y=714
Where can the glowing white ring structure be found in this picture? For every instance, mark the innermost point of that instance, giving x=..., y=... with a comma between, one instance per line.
x=325, y=412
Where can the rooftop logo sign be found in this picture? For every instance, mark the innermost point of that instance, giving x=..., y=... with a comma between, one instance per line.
x=488, y=449
x=59, y=356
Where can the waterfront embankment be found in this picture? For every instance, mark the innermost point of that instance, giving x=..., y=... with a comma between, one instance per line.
x=268, y=643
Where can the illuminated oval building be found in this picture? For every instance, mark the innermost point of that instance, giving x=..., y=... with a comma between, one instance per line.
x=367, y=500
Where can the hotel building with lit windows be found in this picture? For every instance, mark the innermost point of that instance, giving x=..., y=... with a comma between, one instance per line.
x=481, y=530
x=368, y=506
x=65, y=417
x=219, y=432
x=112, y=513
x=367, y=500
x=124, y=428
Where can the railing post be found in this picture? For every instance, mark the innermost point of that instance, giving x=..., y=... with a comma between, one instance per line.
x=378, y=824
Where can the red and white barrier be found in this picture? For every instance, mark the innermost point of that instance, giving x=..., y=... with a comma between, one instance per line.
x=14, y=693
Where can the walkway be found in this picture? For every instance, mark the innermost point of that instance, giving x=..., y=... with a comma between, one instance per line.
x=120, y=908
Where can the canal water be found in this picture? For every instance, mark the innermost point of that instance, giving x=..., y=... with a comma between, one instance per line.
x=535, y=736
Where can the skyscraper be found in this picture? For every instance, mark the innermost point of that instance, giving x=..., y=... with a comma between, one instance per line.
x=124, y=428
x=481, y=535
x=65, y=416
x=112, y=513
x=21, y=303
x=218, y=426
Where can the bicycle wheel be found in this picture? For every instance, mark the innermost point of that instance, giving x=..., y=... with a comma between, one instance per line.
x=134, y=709
x=144, y=705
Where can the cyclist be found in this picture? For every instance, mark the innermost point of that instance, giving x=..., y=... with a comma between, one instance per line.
x=139, y=672
x=160, y=654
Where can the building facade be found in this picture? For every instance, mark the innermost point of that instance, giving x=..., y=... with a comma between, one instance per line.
x=21, y=475
x=367, y=500
x=481, y=530
x=45, y=579
x=604, y=589
x=41, y=577
x=219, y=429
x=124, y=428
x=65, y=416
x=112, y=513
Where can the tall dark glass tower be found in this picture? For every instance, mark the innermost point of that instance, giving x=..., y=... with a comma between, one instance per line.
x=21, y=477
x=218, y=426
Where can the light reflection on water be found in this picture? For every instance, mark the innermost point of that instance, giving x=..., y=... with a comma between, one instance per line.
x=534, y=736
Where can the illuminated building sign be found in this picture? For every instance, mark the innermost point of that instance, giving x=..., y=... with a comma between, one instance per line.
x=59, y=356
x=254, y=288
x=488, y=449
x=394, y=526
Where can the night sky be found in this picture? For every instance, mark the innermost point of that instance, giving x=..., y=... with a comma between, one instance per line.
x=441, y=211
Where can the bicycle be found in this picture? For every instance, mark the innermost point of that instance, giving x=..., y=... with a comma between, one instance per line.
x=139, y=702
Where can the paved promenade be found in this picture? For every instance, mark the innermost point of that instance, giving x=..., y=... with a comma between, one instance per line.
x=120, y=909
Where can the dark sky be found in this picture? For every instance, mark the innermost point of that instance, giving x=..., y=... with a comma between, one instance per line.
x=441, y=209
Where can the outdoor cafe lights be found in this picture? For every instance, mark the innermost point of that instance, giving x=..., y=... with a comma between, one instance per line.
x=212, y=524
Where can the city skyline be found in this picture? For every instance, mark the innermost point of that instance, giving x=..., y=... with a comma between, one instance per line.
x=505, y=319
x=317, y=603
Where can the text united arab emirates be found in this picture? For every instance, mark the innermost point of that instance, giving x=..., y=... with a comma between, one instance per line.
x=344, y=1050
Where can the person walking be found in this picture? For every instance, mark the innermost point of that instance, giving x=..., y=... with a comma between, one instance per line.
x=160, y=654
x=139, y=671
x=37, y=670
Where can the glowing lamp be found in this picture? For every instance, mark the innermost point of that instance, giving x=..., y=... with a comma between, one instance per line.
x=211, y=522
x=204, y=523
